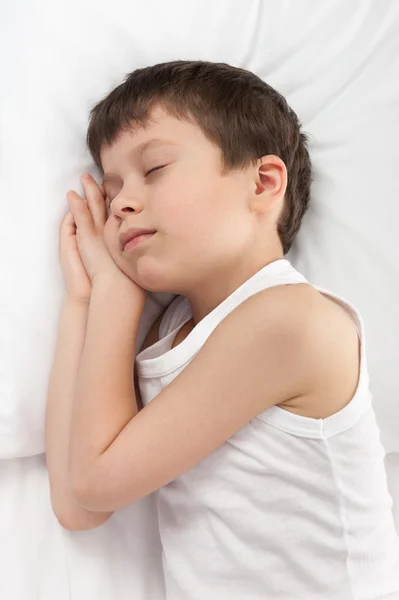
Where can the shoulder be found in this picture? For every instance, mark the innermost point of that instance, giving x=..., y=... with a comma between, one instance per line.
x=307, y=337
x=298, y=311
x=282, y=312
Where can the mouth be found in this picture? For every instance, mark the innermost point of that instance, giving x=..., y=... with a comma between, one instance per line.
x=134, y=237
x=139, y=239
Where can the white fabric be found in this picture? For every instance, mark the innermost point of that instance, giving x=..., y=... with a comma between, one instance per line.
x=41, y=561
x=337, y=63
x=289, y=507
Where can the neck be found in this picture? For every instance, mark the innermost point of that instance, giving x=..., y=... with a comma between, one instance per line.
x=209, y=293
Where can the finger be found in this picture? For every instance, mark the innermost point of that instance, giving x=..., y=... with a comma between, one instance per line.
x=81, y=213
x=67, y=230
x=95, y=200
x=68, y=224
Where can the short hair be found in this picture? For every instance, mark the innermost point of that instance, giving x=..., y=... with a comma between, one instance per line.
x=236, y=110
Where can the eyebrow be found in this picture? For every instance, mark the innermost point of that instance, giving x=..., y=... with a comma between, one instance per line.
x=139, y=150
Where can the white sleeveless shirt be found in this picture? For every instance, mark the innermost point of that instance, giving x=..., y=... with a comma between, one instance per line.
x=288, y=508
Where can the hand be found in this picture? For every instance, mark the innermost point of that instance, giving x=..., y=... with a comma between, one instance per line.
x=77, y=282
x=90, y=217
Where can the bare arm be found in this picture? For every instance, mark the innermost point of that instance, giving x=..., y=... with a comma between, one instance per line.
x=71, y=335
x=104, y=399
x=260, y=355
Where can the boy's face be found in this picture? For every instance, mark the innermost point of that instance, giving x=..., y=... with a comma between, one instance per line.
x=201, y=217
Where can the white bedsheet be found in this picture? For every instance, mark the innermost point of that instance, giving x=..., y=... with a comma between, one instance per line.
x=338, y=64
x=42, y=561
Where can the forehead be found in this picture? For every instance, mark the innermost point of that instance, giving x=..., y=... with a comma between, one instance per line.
x=163, y=130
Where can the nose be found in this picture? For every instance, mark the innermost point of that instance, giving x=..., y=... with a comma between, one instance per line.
x=123, y=204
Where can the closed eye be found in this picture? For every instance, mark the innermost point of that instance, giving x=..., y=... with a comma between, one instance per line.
x=108, y=201
x=154, y=169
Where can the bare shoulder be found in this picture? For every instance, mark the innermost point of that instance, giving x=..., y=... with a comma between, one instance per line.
x=321, y=346
x=311, y=342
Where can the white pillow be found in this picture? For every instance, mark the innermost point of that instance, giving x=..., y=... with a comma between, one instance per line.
x=337, y=64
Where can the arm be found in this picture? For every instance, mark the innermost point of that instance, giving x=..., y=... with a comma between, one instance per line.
x=256, y=357
x=71, y=336
x=105, y=400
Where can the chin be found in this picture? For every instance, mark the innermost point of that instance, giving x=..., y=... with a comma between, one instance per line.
x=153, y=276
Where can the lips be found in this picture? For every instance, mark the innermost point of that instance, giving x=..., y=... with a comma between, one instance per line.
x=132, y=233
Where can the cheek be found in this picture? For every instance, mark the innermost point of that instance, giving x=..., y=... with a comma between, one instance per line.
x=188, y=208
x=110, y=237
x=208, y=211
x=200, y=219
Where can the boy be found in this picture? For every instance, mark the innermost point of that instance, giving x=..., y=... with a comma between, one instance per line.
x=257, y=431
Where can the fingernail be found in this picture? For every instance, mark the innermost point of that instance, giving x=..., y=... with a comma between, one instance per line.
x=86, y=176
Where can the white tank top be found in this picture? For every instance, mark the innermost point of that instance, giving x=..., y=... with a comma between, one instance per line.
x=288, y=508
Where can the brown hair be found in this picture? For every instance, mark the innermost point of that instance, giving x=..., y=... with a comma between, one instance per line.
x=240, y=113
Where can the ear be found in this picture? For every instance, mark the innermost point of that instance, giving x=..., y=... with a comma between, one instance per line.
x=270, y=183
